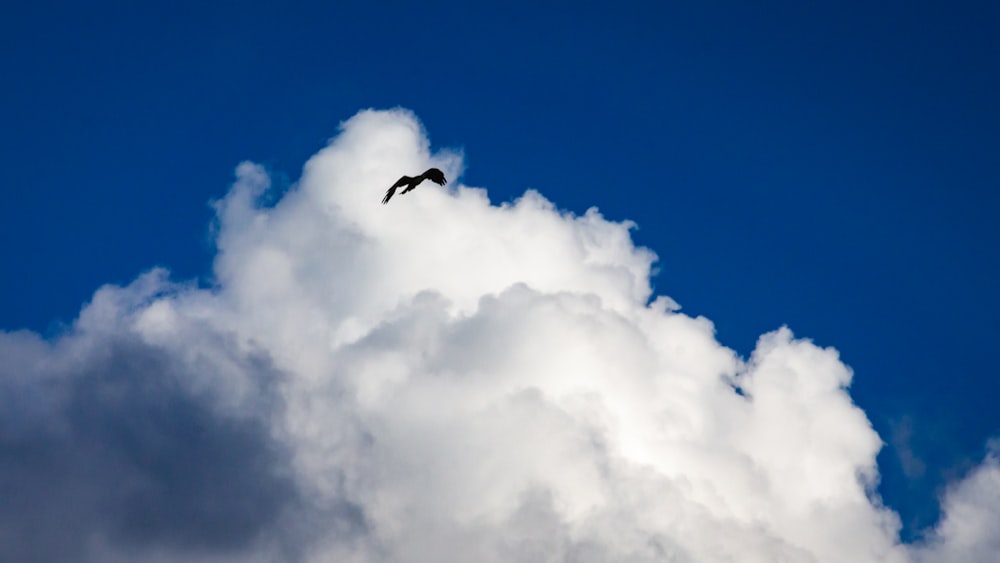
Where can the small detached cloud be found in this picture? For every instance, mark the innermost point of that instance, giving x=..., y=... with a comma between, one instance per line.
x=437, y=379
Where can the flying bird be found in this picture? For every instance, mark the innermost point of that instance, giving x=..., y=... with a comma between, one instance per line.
x=432, y=174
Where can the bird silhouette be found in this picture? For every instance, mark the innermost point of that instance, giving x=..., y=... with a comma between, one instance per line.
x=432, y=174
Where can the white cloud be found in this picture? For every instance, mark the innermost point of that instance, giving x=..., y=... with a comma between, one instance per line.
x=970, y=528
x=438, y=379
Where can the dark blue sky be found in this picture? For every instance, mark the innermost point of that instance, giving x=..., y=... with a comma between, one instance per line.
x=829, y=167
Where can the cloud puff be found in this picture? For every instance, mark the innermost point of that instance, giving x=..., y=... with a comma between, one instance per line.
x=438, y=379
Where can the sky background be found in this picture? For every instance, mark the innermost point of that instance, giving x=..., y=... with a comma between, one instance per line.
x=831, y=168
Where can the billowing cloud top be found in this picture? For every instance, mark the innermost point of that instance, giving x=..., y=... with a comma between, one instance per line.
x=439, y=379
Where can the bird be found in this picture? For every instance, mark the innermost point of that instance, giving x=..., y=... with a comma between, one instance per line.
x=432, y=174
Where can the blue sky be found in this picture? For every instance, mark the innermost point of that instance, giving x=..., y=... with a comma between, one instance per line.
x=829, y=168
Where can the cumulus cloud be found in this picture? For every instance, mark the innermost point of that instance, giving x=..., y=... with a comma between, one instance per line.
x=439, y=379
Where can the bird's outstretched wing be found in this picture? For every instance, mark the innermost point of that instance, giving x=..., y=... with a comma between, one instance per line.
x=389, y=193
x=432, y=174
x=436, y=176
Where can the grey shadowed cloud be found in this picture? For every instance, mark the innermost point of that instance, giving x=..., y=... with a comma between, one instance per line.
x=106, y=440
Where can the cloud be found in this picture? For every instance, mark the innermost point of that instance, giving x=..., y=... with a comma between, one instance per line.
x=970, y=527
x=438, y=379
x=902, y=443
x=109, y=435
